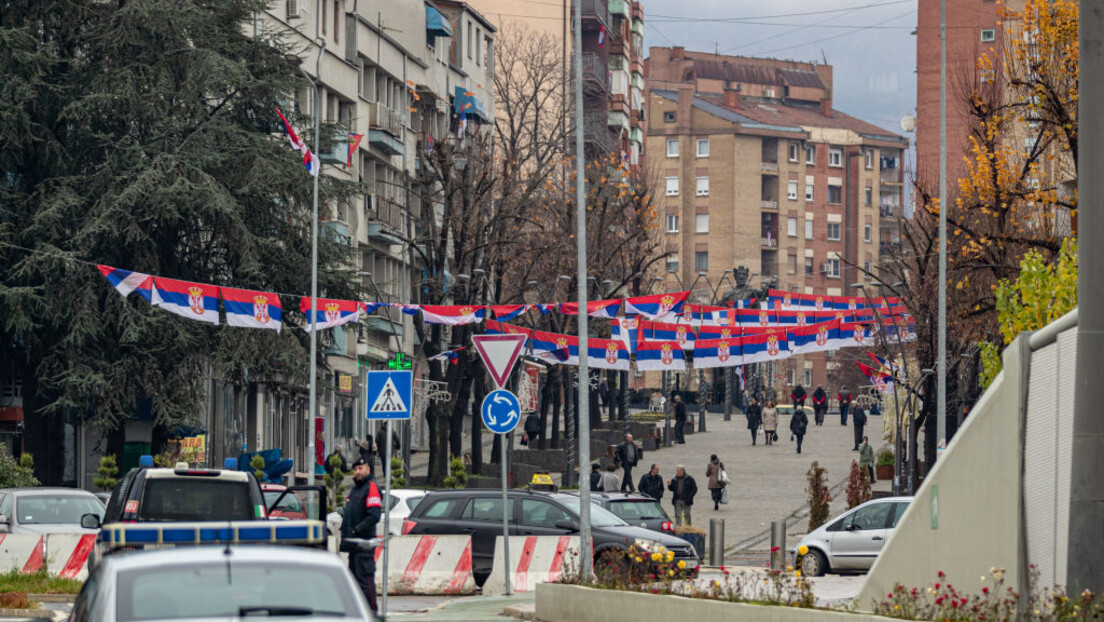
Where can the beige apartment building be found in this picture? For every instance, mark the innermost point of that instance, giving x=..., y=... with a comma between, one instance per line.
x=759, y=170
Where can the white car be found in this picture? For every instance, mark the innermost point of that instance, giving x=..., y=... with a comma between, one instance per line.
x=853, y=540
x=47, y=510
x=403, y=502
x=221, y=583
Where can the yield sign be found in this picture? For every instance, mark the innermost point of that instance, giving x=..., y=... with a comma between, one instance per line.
x=499, y=353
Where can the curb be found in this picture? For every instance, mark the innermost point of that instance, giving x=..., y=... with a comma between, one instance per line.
x=52, y=598
x=521, y=612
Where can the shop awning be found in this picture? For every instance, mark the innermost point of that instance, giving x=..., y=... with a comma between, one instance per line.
x=436, y=24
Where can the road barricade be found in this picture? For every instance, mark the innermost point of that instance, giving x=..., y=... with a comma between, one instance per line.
x=428, y=565
x=22, y=552
x=67, y=554
x=534, y=559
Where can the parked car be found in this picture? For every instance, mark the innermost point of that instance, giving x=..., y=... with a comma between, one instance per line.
x=636, y=509
x=479, y=513
x=286, y=506
x=852, y=541
x=403, y=501
x=46, y=510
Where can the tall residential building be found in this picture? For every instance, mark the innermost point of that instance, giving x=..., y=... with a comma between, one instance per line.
x=760, y=171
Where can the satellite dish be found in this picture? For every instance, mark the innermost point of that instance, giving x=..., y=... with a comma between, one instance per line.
x=908, y=123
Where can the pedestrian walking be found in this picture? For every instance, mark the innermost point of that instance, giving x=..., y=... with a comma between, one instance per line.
x=770, y=422
x=609, y=482
x=845, y=398
x=381, y=440
x=798, y=396
x=866, y=458
x=715, y=472
x=820, y=405
x=799, y=423
x=754, y=414
x=858, y=422
x=680, y=420
x=595, y=477
x=534, y=431
x=362, y=514
x=684, y=488
x=627, y=456
x=604, y=394
x=651, y=483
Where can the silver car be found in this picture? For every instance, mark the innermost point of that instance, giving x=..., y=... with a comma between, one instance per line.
x=852, y=541
x=221, y=584
x=47, y=510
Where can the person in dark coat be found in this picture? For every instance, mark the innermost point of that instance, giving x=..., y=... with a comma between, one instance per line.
x=595, y=477
x=366, y=449
x=820, y=405
x=627, y=456
x=684, y=488
x=651, y=483
x=533, y=430
x=798, y=396
x=754, y=414
x=362, y=514
x=716, y=485
x=858, y=422
x=845, y=398
x=381, y=440
x=799, y=424
x=604, y=393
x=680, y=421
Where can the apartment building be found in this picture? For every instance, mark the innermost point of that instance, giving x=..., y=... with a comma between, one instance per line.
x=760, y=171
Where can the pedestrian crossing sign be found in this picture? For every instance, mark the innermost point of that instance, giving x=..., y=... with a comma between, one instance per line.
x=388, y=394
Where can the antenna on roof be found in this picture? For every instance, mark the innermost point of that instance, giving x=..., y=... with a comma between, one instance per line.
x=824, y=56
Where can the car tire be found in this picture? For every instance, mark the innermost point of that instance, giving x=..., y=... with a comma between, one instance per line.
x=814, y=564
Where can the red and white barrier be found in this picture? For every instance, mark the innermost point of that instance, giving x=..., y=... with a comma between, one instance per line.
x=22, y=552
x=428, y=565
x=67, y=554
x=534, y=559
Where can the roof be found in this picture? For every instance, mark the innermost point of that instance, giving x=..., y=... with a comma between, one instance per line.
x=756, y=74
x=222, y=474
x=728, y=114
x=150, y=558
x=48, y=492
x=774, y=112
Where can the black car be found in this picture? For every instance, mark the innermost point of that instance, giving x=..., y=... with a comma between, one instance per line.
x=636, y=509
x=479, y=513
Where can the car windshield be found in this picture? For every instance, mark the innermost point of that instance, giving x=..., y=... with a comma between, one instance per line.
x=186, y=499
x=169, y=592
x=599, y=516
x=638, y=510
x=65, y=510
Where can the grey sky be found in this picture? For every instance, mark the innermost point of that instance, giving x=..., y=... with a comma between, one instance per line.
x=874, y=67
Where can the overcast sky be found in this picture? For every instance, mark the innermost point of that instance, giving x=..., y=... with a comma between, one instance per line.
x=867, y=42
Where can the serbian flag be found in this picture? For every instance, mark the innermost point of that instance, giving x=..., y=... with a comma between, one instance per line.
x=627, y=329
x=883, y=364
x=296, y=142
x=452, y=356
x=660, y=307
x=498, y=328
x=354, y=142
x=815, y=338
x=195, y=301
x=881, y=381
x=607, y=354
x=709, y=353
x=249, y=309
x=370, y=307
x=455, y=315
x=719, y=332
x=405, y=308
x=606, y=309
x=683, y=334
x=660, y=356
x=330, y=313
x=855, y=334
x=505, y=313
x=555, y=348
x=125, y=281
x=771, y=345
x=602, y=36
x=545, y=309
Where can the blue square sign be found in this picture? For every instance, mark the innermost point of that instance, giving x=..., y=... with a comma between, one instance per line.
x=388, y=394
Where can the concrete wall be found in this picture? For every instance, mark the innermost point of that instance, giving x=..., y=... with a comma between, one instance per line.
x=974, y=491
x=570, y=603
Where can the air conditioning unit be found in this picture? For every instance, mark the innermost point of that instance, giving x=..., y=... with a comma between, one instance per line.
x=296, y=9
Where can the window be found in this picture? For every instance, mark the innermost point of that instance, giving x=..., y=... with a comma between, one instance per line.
x=702, y=187
x=470, y=46
x=810, y=155
x=809, y=192
x=701, y=261
x=792, y=264
x=808, y=266
x=989, y=35
x=701, y=223
x=484, y=510
x=672, y=186
x=835, y=195
x=669, y=116
x=791, y=227
x=672, y=263
x=867, y=267
x=987, y=76
x=868, y=198
x=337, y=21
x=442, y=509
x=834, y=231
x=866, y=232
x=791, y=190
x=808, y=377
x=181, y=499
x=871, y=517
x=324, y=11
x=703, y=147
x=672, y=223
x=794, y=150
x=478, y=45
x=835, y=157
x=868, y=155
x=832, y=268
x=899, y=512
x=808, y=228
x=672, y=147
x=537, y=513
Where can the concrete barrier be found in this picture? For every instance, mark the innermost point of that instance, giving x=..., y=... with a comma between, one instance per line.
x=22, y=552
x=428, y=565
x=533, y=560
x=67, y=555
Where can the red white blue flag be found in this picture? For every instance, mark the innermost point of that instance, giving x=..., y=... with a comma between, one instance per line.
x=606, y=309
x=195, y=301
x=607, y=354
x=709, y=353
x=683, y=334
x=555, y=348
x=453, y=315
x=626, y=329
x=354, y=142
x=660, y=356
x=329, y=313
x=250, y=309
x=659, y=307
x=505, y=313
x=125, y=281
x=819, y=337
x=310, y=160
x=498, y=328
x=452, y=356
x=771, y=345
x=882, y=382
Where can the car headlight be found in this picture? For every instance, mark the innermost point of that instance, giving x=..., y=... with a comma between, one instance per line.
x=645, y=545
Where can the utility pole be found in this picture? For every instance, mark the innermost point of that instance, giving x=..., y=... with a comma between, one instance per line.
x=312, y=408
x=941, y=347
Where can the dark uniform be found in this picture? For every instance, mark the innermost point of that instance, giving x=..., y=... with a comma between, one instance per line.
x=362, y=514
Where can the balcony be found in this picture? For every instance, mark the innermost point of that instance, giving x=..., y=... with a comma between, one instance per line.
x=769, y=168
x=769, y=238
x=594, y=12
x=890, y=176
x=888, y=210
x=889, y=248
x=619, y=7
x=771, y=205
x=618, y=120
x=384, y=129
x=595, y=73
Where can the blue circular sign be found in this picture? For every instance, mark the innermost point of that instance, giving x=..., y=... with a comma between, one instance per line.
x=501, y=411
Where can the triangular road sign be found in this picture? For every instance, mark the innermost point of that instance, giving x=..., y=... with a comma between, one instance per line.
x=499, y=353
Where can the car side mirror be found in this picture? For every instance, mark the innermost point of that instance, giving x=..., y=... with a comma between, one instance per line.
x=88, y=521
x=567, y=525
x=852, y=527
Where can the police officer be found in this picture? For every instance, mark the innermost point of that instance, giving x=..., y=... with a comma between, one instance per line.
x=362, y=514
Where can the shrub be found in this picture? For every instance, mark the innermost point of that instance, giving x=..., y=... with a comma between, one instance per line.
x=398, y=476
x=335, y=488
x=885, y=458
x=858, y=486
x=108, y=469
x=458, y=476
x=15, y=474
x=257, y=463
x=819, y=497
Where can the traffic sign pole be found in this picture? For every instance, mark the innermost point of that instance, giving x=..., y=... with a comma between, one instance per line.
x=501, y=412
x=506, y=520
